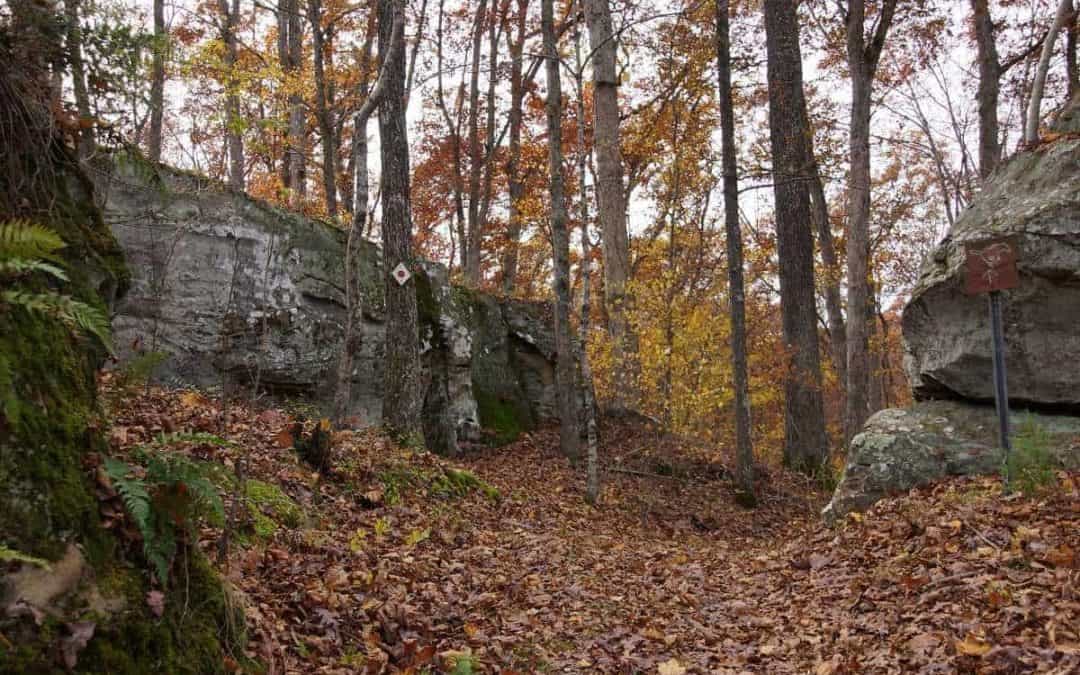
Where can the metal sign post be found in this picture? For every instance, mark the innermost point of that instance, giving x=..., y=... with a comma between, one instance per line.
x=991, y=267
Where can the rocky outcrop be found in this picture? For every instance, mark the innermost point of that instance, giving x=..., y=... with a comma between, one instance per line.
x=1035, y=197
x=225, y=285
x=899, y=449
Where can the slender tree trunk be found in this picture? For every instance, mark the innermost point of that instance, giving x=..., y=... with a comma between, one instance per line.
x=609, y=188
x=234, y=139
x=1031, y=129
x=744, y=449
x=324, y=107
x=72, y=11
x=592, y=459
x=805, y=442
x=989, y=87
x=473, y=234
x=453, y=130
x=489, y=135
x=862, y=64
x=1072, y=32
x=833, y=305
x=157, y=83
x=354, y=305
x=560, y=241
x=514, y=180
x=290, y=51
x=402, y=397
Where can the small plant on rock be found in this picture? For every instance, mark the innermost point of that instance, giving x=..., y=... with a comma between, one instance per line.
x=1031, y=466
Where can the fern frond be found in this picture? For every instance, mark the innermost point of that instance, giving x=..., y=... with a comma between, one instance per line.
x=132, y=491
x=70, y=311
x=24, y=239
x=17, y=267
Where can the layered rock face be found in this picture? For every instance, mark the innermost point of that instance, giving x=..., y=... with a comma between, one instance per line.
x=1036, y=199
x=236, y=292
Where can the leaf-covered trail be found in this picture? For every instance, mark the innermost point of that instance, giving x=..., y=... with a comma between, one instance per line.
x=404, y=562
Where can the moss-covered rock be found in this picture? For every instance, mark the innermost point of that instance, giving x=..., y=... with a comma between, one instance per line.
x=50, y=433
x=270, y=507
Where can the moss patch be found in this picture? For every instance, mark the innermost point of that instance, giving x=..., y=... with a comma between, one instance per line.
x=270, y=507
x=499, y=417
x=50, y=427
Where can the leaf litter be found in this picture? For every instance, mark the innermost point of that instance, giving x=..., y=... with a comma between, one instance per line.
x=410, y=563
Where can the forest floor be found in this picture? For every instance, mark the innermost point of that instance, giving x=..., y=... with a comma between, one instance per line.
x=399, y=561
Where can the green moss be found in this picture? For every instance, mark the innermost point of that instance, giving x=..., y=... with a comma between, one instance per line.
x=269, y=507
x=499, y=417
x=426, y=306
x=198, y=626
x=50, y=426
x=459, y=483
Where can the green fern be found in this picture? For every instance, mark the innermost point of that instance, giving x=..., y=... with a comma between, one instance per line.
x=26, y=240
x=133, y=491
x=172, y=498
x=18, y=267
x=26, y=248
x=72, y=313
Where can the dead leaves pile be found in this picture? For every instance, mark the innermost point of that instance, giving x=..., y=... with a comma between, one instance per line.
x=389, y=573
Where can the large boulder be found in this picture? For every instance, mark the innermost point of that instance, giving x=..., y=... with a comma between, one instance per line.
x=1036, y=198
x=234, y=292
x=899, y=449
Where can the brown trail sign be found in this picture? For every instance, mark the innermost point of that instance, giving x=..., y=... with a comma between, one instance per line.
x=991, y=268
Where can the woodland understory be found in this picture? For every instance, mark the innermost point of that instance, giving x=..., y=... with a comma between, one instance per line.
x=399, y=561
x=721, y=206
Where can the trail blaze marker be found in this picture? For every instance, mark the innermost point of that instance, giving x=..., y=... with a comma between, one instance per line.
x=401, y=274
x=991, y=268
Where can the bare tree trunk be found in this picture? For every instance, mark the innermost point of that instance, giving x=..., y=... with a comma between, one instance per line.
x=473, y=235
x=1031, y=129
x=453, y=130
x=402, y=397
x=324, y=106
x=833, y=305
x=862, y=64
x=354, y=305
x=290, y=52
x=989, y=87
x=233, y=135
x=78, y=77
x=805, y=442
x=494, y=25
x=609, y=188
x=514, y=180
x=1072, y=28
x=592, y=459
x=157, y=83
x=744, y=448
x=560, y=241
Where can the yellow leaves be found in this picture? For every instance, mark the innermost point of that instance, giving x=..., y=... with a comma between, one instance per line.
x=671, y=667
x=191, y=400
x=356, y=543
x=973, y=644
x=417, y=536
x=382, y=527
